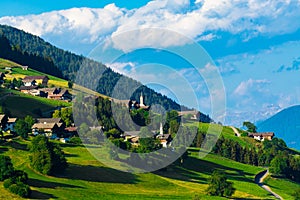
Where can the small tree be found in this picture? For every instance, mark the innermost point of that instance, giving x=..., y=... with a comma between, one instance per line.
x=279, y=165
x=6, y=167
x=46, y=157
x=219, y=186
x=250, y=127
x=70, y=84
x=23, y=126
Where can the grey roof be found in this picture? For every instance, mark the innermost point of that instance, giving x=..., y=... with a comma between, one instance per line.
x=49, y=120
x=28, y=87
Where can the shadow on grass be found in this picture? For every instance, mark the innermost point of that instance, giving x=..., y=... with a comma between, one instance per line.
x=40, y=195
x=16, y=145
x=3, y=149
x=97, y=174
x=46, y=184
x=69, y=155
x=191, y=168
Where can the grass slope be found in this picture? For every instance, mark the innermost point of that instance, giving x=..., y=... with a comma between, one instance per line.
x=284, y=187
x=87, y=178
x=7, y=63
x=19, y=105
x=226, y=132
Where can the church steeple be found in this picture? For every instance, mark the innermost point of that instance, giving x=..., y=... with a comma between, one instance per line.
x=142, y=100
x=161, y=131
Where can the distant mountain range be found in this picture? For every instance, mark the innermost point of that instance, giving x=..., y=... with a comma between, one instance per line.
x=285, y=125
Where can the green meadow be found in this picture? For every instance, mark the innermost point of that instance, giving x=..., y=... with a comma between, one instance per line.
x=87, y=178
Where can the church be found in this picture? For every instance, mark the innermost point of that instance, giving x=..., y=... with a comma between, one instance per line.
x=135, y=105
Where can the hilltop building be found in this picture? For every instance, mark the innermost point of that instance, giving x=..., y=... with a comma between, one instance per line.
x=262, y=136
x=35, y=80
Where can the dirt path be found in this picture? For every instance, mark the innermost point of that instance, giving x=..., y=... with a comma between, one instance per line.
x=235, y=131
x=259, y=179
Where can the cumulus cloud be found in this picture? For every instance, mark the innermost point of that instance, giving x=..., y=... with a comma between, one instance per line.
x=86, y=25
x=251, y=86
x=122, y=67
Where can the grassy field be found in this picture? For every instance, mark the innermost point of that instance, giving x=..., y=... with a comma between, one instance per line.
x=226, y=132
x=284, y=187
x=20, y=105
x=86, y=178
x=6, y=63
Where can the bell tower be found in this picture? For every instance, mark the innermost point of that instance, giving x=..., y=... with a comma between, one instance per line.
x=142, y=100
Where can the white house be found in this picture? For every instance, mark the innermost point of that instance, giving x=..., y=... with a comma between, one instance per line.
x=10, y=125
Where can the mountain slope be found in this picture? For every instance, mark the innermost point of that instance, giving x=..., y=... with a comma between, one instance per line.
x=69, y=63
x=285, y=125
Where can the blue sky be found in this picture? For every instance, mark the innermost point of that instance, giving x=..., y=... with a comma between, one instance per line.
x=255, y=44
x=23, y=7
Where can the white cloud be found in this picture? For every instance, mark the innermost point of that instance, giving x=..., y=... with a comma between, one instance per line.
x=251, y=86
x=122, y=67
x=85, y=25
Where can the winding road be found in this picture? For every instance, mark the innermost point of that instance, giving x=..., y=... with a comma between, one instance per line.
x=259, y=179
x=237, y=133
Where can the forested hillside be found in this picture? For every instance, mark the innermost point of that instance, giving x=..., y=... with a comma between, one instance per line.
x=26, y=47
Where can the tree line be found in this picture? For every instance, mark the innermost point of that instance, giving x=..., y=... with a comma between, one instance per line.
x=273, y=153
x=35, y=61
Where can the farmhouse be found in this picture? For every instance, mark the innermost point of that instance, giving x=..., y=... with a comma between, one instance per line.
x=55, y=93
x=164, y=139
x=192, y=114
x=34, y=80
x=10, y=125
x=48, y=126
x=24, y=68
x=49, y=129
x=262, y=136
x=28, y=89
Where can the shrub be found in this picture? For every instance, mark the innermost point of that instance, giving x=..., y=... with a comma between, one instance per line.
x=20, y=189
x=19, y=176
x=7, y=183
x=6, y=167
x=75, y=140
x=46, y=157
x=219, y=186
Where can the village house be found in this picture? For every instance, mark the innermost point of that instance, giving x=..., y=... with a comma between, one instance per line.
x=24, y=68
x=48, y=129
x=51, y=127
x=70, y=131
x=55, y=93
x=132, y=104
x=192, y=114
x=10, y=125
x=29, y=89
x=262, y=136
x=35, y=80
x=165, y=139
x=129, y=135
